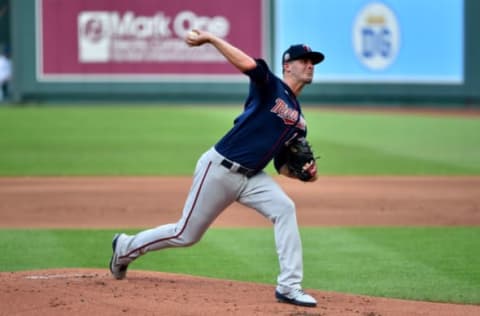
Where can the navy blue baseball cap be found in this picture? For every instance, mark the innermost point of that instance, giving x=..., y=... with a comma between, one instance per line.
x=302, y=51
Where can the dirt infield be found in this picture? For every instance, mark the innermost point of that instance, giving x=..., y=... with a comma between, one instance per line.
x=139, y=202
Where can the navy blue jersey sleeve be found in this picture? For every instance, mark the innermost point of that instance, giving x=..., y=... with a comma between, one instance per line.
x=260, y=74
x=280, y=159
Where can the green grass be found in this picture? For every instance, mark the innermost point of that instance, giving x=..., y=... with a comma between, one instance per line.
x=149, y=140
x=382, y=144
x=106, y=140
x=435, y=264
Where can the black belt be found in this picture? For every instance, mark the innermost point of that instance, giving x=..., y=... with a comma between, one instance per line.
x=245, y=171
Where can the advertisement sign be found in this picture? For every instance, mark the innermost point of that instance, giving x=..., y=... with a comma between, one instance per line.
x=105, y=40
x=379, y=41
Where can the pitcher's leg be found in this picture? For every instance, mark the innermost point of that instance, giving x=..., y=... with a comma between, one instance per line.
x=210, y=194
x=267, y=197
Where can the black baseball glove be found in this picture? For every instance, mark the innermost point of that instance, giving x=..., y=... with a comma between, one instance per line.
x=300, y=160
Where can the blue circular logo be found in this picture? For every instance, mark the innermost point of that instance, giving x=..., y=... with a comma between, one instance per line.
x=376, y=36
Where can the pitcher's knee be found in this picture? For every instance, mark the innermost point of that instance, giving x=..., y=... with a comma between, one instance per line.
x=288, y=205
x=188, y=240
x=284, y=207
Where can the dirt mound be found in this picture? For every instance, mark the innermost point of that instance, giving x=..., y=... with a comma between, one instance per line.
x=87, y=291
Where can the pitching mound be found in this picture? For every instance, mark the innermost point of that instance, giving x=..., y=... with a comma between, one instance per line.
x=80, y=292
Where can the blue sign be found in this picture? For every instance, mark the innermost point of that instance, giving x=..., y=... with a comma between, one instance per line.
x=391, y=41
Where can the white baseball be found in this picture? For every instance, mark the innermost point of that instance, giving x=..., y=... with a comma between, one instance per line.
x=192, y=35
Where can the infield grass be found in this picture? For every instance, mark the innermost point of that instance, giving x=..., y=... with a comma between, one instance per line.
x=433, y=264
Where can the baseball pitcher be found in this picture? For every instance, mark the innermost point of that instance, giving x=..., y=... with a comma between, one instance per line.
x=271, y=127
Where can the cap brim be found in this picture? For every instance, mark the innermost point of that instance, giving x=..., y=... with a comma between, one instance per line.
x=315, y=57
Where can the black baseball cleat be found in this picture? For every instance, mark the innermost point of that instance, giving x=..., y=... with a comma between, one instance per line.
x=119, y=271
x=296, y=297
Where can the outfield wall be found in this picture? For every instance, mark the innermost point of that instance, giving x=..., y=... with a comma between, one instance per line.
x=376, y=51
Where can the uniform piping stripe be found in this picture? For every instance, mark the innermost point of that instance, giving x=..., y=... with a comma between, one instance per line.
x=186, y=221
